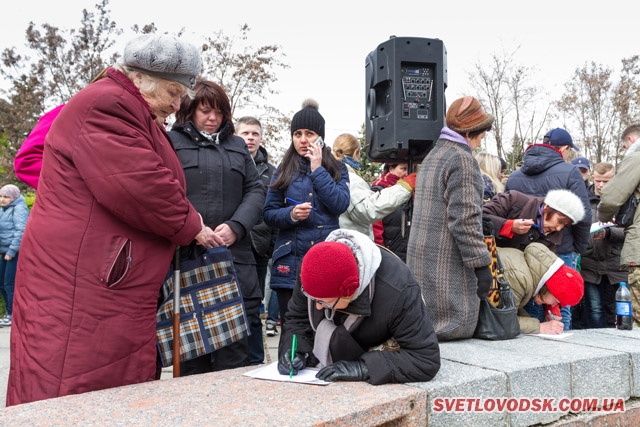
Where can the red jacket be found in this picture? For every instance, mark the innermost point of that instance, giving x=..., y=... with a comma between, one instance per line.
x=110, y=210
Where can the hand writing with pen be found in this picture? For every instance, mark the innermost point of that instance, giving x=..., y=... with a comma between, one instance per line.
x=553, y=325
x=522, y=226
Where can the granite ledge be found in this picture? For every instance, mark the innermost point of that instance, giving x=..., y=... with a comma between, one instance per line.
x=228, y=398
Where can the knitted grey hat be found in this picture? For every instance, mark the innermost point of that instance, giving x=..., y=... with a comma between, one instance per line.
x=164, y=56
x=308, y=118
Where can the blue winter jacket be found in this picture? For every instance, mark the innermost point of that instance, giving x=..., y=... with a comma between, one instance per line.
x=13, y=219
x=544, y=169
x=328, y=198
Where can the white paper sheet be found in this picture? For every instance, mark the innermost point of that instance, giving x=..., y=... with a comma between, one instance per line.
x=597, y=226
x=560, y=336
x=270, y=372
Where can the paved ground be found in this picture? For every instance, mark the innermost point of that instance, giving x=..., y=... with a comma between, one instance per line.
x=4, y=363
x=271, y=355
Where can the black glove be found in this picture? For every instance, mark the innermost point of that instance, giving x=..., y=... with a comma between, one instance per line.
x=344, y=370
x=485, y=279
x=285, y=364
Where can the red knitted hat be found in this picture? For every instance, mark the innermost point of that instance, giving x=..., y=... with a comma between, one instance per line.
x=329, y=270
x=566, y=285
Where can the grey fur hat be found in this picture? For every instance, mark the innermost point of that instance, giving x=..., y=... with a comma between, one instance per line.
x=164, y=56
x=566, y=202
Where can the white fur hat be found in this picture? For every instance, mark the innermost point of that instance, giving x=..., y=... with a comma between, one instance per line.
x=164, y=56
x=566, y=202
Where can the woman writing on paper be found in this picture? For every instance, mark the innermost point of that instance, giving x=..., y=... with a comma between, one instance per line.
x=357, y=313
x=538, y=275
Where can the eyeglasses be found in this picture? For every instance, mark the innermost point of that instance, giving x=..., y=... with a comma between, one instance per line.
x=322, y=303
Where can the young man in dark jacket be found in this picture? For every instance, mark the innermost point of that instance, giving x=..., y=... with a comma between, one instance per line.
x=262, y=236
x=600, y=263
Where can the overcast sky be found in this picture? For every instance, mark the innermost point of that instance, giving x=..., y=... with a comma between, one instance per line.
x=326, y=42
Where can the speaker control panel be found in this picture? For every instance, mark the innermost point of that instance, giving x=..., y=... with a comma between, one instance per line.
x=417, y=90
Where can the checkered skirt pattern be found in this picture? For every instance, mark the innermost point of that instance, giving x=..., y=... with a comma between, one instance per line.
x=212, y=314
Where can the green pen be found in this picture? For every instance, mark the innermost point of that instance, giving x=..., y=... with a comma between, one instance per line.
x=294, y=347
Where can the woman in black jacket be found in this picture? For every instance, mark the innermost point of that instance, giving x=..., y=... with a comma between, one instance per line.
x=224, y=186
x=369, y=322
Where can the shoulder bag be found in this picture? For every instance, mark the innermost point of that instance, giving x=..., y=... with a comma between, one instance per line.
x=212, y=313
x=624, y=216
x=498, y=316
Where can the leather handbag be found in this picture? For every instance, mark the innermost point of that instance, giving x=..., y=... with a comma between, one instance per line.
x=498, y=315
x=212, y=312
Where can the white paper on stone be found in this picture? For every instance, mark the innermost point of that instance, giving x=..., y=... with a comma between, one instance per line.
x=270, y=372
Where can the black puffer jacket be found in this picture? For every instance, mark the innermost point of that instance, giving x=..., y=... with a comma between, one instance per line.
x=263, y=237
x=393, y=236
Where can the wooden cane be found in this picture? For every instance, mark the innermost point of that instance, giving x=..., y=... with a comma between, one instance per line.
x=176, y=313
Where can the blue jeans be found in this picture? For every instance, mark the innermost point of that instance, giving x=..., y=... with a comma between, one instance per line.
x=256, y=344
x=570, y=260
x=593, y=311
x=537, y=311
x=273, y=312
x=7, y=281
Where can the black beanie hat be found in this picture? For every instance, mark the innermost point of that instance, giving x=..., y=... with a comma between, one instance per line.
x=308, y=118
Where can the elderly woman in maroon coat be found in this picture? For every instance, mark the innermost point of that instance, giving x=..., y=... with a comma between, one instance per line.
x=111, y=209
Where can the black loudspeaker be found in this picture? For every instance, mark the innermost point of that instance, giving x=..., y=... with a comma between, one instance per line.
x=405, y=82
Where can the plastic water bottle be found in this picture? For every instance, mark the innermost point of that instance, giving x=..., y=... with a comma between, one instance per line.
x=624, y=318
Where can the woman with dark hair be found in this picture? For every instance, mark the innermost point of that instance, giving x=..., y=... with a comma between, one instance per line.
x=224, y=186
x=308, y=192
